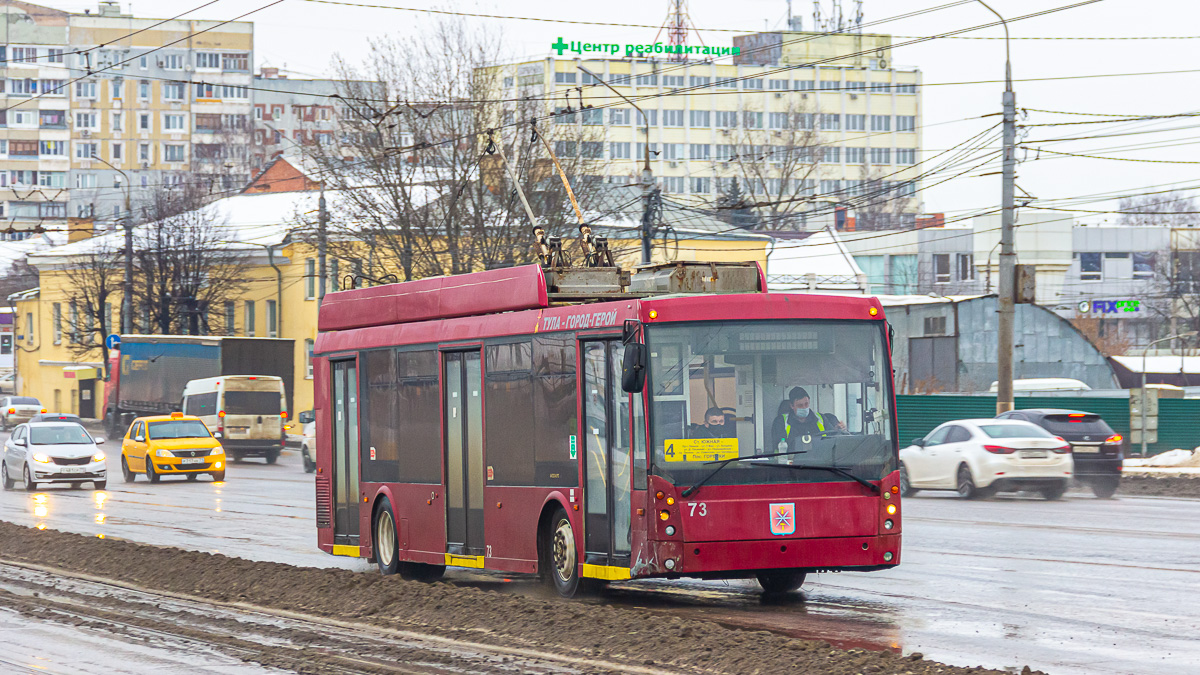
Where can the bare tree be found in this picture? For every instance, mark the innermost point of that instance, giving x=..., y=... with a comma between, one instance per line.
x=1169, y=209
x=184, y=264
x=19, y=277
x=420, y=191
x=94, y=286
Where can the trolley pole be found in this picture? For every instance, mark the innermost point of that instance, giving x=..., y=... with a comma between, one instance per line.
x=322, y=222
x=1008, y=254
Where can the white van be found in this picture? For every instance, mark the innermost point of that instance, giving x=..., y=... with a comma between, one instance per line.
x=247, y=412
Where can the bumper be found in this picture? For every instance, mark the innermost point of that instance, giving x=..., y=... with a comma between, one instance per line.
x=1097, y=466
x=52, y=473
x=173, y=465
x=729, y=559
x=251, y=448
x=1002, y=470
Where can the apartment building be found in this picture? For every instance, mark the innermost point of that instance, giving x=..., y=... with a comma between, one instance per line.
x=290, y=114
x=104, y=106
x=836, y=101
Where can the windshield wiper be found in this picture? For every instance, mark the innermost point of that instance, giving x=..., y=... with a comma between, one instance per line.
x=831, y=469
x=726, y=462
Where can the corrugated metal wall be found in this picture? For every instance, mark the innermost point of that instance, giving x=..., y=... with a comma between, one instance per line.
x=1178, y=418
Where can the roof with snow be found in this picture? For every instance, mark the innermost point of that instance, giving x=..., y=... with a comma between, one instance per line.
x=817, y=262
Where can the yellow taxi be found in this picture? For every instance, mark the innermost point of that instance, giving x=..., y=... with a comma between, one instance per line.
x=170, y=445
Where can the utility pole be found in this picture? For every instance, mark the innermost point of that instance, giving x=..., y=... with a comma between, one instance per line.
x=648, y=189
x=1008, y=254
x=322, y=222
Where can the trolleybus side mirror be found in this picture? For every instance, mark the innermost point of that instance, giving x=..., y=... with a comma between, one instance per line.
x=633, y=368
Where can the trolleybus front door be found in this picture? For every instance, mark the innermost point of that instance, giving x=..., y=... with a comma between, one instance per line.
x=345, y=453
x=607, y=465
x=463, y=413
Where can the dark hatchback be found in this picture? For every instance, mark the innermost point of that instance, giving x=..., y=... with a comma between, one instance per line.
x=1097, y=449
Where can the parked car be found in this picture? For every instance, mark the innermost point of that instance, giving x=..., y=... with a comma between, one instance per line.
x=56, y=417
x=1097, y=449
x=8, y=383
x=52, y=452
x=295, y=428
x=308, y=442
x=16, y=410
x=980, y=457
x=171, y=445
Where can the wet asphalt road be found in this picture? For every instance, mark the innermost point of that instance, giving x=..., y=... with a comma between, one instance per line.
x=1078, y=586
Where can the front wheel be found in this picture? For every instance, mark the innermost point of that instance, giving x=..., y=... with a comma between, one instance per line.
x=387, y=552
x=192, y=477
x=218, y=476
x=126, y=472
x=7, y=480
x=774, y=583
x=1055, y=492
x=100, y=484
x=559, y=555
x=151, y=474
x=906, y=488
x=1105, y=487
x=30, y=486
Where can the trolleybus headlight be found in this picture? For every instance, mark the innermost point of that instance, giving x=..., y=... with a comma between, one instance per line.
x=888, y=524
x=891, y=509
x=670, y=501
x=671, y=530
x=887, y=556
x=664, y=514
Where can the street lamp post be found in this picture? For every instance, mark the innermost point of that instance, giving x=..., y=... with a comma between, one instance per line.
x=1143, y=406
x=127, y=297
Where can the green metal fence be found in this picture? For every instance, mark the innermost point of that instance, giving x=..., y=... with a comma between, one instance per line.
x=1178, y=418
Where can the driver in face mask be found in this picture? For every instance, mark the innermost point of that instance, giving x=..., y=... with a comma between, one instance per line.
x=797, y=419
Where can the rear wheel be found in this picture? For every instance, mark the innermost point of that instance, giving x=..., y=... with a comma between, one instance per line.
x=272, y=456
x=559, y=556
x=387, y=552
x=1056, y=491
x=774, y=583
x=30, y=486
x=1105, y=486
x=7, y=479
x=126, y=472
x=151, y=474
x=966, y=483
x=906, y=488
x=309, y=465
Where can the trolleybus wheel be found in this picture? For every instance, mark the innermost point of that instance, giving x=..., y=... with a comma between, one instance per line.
x=780, y=582
x=906, y=488
x=387, y=554
x=558, y=549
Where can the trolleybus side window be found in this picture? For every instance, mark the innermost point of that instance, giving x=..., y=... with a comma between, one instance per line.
x=555, y=391
x=401, y=417
x=723, y=389
x=508, y=412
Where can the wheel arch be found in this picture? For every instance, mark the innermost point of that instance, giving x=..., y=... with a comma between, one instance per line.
x=368, y=541
x=554, y=501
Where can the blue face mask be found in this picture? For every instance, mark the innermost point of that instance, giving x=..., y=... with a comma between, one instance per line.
x=802, y=412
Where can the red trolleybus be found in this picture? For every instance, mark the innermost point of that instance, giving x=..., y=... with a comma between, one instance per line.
x=520, y=420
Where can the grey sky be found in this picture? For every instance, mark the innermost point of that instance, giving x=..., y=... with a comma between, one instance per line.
x=304, y=35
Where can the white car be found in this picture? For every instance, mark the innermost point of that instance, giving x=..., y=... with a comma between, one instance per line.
x=49, y=452
x=308, y=447
x=17, y=409
x=978, y=458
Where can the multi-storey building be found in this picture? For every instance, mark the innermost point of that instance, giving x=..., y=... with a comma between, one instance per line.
x=834, y=102
x=103, y=107
x=289, y=114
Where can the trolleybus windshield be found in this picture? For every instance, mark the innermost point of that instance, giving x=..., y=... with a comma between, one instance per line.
x=725, y=390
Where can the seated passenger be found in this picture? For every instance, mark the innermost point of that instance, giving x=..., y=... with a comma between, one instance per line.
x=713, y=427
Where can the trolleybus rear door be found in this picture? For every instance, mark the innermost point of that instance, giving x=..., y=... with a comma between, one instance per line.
x=463, y=412
x=607, y=464
x=345, y=453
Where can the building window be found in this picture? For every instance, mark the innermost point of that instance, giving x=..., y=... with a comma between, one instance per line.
x=699, y=81
x=309, y=345
x=564, y=78
x=935, y=325
x=84, y=89
x=831, y=154
x=86, y=121
x=641, y=150
x=593, y=117
x=565, y=148
x=117, y=152
x=831, y=85
x=906, y=123
x=673, y=184
x=726, y=119
x=310, y=279
x=779, y=120
x=173, y=91
x=1091, y=266
x=29, y=327
x=1143, y=265
x=672, y=118
x=906, y=156
x=856, y=155
x=173, y=122
x=831, y=121
x=881, y=155
x=619, y=116
x=856, y=85
x=248, y=328
x=172, y=61
x=230, y=317
x=272, y=319
x=701, y=185
x=778, y=85
x=752, y=120
x=803, y=85
x=880, y=87
x=909, y=88
x=592, y=149
x=647, y=80
x=173, y=153
x=86, y=150
x=235, y=62
x=208, y=60
x=56, y=322
x=144, y=90
x=966, y=267
x=700, y=151
x=856, y=122
x=672, y=80
x=753, y=83
x=618, y=150
x=144, y=152
x=941, y=268
x=881, y=122
x=118, y=89
x=699, y=118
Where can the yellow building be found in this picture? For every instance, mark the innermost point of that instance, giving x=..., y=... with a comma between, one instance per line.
x=60, y=368
x=819, y=117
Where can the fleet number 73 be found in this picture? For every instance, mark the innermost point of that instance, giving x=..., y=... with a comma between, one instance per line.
x=700, y=505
